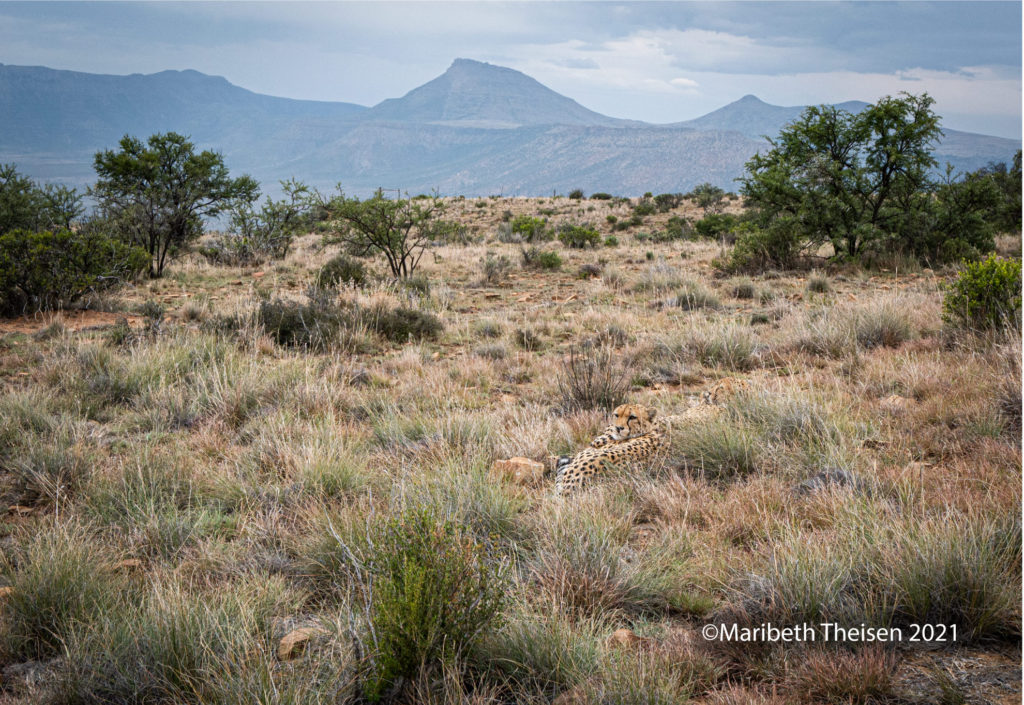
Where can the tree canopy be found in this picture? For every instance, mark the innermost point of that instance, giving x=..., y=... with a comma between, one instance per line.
x=157, y=193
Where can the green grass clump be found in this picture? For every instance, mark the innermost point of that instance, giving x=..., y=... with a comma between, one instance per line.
x=59, y=583
x=430, y=590
x=819, y=284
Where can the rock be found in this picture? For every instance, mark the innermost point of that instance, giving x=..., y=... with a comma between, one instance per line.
x=625, y=639
x=521, y=471
x=294, y=642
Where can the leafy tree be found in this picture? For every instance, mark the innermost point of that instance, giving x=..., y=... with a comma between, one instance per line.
x=399, y=228
x=709, y=197
x=27, y=205
x=157, y=193
x=1007, y=215
x=848, y=179
x=256, y=235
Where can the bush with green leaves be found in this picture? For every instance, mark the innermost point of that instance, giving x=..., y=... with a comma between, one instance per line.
x=47, y=270
x=530, y=229
x=985, y=295
x=341, y=269
x=25, y=205
x=578, y=236
x=600, y=196
x=667, y=201
x=155, y=194
x=258, y=235
x=430, y=591
x=714, y=225
x=536, y=258
x=776, y=246
x=576, y=194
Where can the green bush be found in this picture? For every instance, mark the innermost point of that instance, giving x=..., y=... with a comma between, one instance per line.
x=714, y=225
x=46, y=270
x=536, y=258
x=645, y=206
x=401, y=324
x=434, y=593
x=985, y=295
x=578, y=236
x=600, y=196
x=757, y=250
x=576, y=194
x=314, y=325
x=341, y=269
x=530, y=229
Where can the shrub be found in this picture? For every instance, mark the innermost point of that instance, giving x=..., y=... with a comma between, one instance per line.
x=600, y=196
x=578, y=236
x=714, y=225
x=314, y=325
x=536, y=258
x=430, y=593
x=530, y=229
x=645, y=206
x=495, y=268
x=611, y=241
x=758, y=250
x=667, y=201
x=401, y=324
x=341, y=269
x=46, y=270
x=985, y=295
x=592, y=379
x=576, y=194
x=818, y=284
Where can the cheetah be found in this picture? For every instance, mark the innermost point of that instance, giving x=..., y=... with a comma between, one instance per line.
x=636, y=434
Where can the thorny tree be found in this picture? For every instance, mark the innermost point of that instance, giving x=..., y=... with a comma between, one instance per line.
x=400, y=228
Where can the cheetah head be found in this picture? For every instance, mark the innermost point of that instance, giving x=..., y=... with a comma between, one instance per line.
x=632, y=420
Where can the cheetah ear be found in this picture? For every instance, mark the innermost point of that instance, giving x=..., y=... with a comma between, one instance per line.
x=651, y=413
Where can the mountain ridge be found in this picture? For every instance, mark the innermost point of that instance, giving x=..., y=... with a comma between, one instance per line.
x=474, y=130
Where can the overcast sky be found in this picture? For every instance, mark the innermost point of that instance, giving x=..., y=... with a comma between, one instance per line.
x=659, y=62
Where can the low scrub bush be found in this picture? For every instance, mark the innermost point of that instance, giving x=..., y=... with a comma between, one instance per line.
x=430, y=591
x=495, y=268
x=715, y=225
x=758, y=250
x=985, y=295
x=536, y=258
x=530, y=229
x=578, y=236
x=339, y=270
x=47, y=270
x=592, y=378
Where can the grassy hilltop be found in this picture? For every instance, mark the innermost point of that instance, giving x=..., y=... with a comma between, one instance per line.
x=200, y=465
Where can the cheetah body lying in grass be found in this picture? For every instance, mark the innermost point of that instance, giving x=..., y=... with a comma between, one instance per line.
x=638, y=433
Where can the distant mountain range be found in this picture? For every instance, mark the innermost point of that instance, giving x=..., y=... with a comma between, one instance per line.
x=477, y=129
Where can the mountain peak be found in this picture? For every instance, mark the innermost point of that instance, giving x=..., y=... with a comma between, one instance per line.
x=477, y=94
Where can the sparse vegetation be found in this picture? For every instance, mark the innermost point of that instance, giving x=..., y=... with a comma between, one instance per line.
x=223, y=457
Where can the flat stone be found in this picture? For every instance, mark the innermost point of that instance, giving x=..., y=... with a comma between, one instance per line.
x=625, y=639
